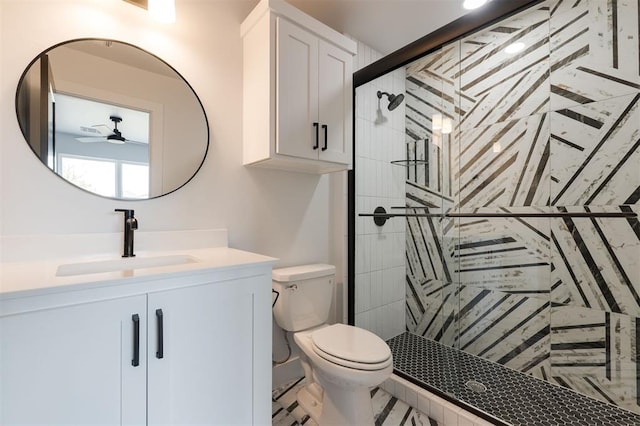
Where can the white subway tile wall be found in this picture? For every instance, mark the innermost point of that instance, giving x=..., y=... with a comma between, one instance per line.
x=380, y=263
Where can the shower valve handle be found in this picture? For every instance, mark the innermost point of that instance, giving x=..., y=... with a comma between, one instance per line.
x=317, y=127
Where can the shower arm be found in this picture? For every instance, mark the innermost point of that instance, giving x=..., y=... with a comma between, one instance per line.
x=380, y=215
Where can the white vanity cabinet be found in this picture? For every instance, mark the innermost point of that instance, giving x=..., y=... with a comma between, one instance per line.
x=71, y=365
x=202, y=342
x=211, y=336
x=298, y=95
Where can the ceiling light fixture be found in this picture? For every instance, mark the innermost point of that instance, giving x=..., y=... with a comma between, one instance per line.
x=473, y=4
x=514, y=48
x=163, y=10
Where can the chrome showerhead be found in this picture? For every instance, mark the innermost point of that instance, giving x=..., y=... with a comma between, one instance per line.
x=394, y=100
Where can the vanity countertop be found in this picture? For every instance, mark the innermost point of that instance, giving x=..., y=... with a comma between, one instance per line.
x=32, y=278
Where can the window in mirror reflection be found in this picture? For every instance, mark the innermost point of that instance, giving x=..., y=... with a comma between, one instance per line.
x=97, y=176
x=95, y=132
x=109, y=178
x=135, y=180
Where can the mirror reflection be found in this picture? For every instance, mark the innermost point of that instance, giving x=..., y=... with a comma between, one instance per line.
x=112, y=119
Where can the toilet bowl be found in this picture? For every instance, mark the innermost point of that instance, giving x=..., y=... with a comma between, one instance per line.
x=346, y=362
x=341, y=362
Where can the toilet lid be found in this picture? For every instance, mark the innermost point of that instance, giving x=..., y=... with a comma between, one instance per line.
x=351, y=344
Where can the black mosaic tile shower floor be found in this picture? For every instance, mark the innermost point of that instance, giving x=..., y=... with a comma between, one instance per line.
x=513, y=397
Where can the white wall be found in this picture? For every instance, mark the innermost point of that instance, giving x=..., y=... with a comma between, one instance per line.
x=282, y=214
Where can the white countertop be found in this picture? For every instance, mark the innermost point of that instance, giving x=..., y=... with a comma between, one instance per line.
x=16, y=278
x=32, y=277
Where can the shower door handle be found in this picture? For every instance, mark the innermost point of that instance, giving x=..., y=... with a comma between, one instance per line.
x=316, y=126
x=326, y=130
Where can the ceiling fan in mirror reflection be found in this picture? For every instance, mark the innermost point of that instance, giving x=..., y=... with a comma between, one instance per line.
x=90, y=120
x=106, y=133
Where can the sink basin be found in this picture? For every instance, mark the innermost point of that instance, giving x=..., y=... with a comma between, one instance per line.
x=123, y=264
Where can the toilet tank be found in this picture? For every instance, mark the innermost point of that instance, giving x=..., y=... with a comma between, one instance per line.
x=304, y=295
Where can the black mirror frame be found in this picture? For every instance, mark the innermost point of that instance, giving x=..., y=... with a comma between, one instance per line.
x=206, y=120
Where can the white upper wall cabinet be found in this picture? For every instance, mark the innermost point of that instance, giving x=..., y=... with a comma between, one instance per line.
x=297, y=100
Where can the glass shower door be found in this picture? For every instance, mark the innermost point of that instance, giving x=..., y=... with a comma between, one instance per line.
x=432, y=277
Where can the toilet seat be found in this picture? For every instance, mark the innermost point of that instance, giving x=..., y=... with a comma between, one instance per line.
x=351, y=347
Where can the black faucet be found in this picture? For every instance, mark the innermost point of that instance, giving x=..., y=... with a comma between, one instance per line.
x=130, y=225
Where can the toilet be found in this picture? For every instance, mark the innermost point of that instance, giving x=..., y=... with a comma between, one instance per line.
x=341, y=362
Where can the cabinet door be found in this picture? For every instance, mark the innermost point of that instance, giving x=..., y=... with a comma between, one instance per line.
x=297, y=92
x=336, y=99
x=209, y=360
x=73, y=365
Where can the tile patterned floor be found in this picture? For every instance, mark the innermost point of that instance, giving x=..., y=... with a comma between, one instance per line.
x=387, y=410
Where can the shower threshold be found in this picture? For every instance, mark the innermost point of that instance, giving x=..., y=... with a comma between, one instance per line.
x=493, y=391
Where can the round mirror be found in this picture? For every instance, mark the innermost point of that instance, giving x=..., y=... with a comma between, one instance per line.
x=112, y=119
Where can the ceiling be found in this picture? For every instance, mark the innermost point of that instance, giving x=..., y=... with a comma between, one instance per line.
x=385, y=25
x=125, y=54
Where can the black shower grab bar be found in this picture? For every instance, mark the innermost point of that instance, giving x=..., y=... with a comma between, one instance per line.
x=380, y=215
x=494, y=215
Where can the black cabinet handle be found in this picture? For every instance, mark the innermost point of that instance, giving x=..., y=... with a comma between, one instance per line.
x=315, y=125
x=160, y=351
x=136, y=340
x=326, y=130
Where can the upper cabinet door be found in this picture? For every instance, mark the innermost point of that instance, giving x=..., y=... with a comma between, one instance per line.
x=336, y=98
x=297, y=92
x=73, y=365
x=297, y=96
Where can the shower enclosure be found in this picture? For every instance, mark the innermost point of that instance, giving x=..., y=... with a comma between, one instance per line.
x=510, y=185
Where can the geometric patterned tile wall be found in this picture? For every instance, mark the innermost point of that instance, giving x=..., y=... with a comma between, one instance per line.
x=594, y=153
x=553, y=128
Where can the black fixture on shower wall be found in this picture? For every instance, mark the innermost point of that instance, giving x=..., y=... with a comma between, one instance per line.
x=380, y=215
x=394, y=100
